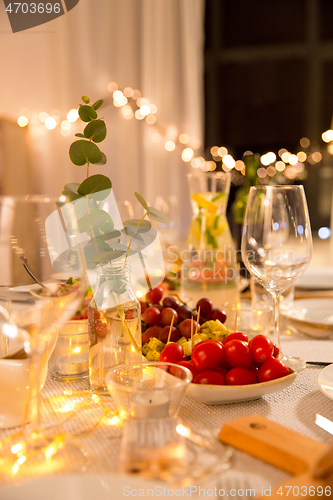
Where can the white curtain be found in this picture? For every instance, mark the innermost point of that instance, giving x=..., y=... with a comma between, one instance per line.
x=155, y=46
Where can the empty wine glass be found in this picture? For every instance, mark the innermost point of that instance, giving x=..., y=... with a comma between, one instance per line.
x=34, y=228
x=277, y=244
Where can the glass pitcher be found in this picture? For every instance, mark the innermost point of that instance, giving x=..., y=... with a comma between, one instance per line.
x=209, y=266
x=114, y=322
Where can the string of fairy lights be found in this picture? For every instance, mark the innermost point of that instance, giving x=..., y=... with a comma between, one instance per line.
x=133, y=105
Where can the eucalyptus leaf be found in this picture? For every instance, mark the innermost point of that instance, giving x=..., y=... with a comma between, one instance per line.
x=103, y=160
x=70, y=195
x=141, y=200
x=80, y=135
x=109, y=235
x=90, y=221
x=87, y=113
x=95, y=131
x=118, y=246
x=85, y=99
x=92, y=249
x=106, y=227
x=157, y=215
x=97, y=104
x=82, y=152
x=144, y=226
x=72, y=186
x=107, y=256
x=94, y=184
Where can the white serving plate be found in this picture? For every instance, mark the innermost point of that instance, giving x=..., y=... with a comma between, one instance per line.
x=77, y=487
x=221, y=394
x=314, y=317
x=316, y=278
x=325, y=381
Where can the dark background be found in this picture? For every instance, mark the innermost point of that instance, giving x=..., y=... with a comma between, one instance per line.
x=269, y=82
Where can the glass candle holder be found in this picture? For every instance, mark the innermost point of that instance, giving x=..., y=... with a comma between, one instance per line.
x=251, y=320
x=70, y=359
x=148, y=390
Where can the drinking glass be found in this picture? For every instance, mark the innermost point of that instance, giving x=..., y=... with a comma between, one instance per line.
x=277, y=244
x=35, y=228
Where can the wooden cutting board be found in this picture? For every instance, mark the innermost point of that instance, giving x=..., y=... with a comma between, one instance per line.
x=286, y=449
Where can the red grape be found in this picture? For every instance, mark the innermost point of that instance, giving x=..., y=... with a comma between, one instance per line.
x=205, y=305
x=154, y=295
x=143, y=306
x=151, y=315
x=184, y=312
x=164, y=334
x=185, y=328
x=171, y=302
x=100, y=328
x=152, y=331
x=166, y=316
x=217, y=314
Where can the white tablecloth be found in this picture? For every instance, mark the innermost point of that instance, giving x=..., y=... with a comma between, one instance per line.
x=295, y=408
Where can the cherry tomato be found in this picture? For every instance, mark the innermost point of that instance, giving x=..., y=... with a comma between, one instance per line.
x=276, y=351
x=240, y=376
x=172, y=353
x=151, y=315
x=206, y=340
x=154, y=295
x=207, y=355
x=222, y=370
x=238, y=354
x=262, y=348
x=272, y=369
x=224, y=363
x=190, y=366
x=236, y=335
x=209, y=377
x=254, y=369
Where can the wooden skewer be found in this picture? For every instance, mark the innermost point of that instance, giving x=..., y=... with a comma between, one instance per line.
x=198, y=317
x=170, y=329
x=191, y=334
x=235, y=328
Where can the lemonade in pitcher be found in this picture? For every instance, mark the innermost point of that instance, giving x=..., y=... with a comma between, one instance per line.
x=209, y=267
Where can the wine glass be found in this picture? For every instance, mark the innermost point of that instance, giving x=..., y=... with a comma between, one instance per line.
x=277, y=244
x=34, y=228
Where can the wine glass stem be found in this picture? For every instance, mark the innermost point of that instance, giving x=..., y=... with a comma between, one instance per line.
x=35, y=380
x=276, y=305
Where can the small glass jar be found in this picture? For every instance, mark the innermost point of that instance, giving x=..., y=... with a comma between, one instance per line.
x=114, y=322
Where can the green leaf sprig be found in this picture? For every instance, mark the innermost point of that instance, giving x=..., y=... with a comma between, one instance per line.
x=105, y=242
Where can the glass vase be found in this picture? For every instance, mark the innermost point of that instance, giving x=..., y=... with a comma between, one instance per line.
x=114, y=322
x=209, y=265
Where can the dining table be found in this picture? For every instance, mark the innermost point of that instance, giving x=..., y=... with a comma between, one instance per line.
x=90, y=419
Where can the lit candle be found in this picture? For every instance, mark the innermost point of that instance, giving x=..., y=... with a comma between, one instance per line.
x=154, y=405
x=72, y=365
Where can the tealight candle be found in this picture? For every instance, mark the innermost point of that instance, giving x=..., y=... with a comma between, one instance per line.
x=150, y=405
x=70, y=358
x=72, y=365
